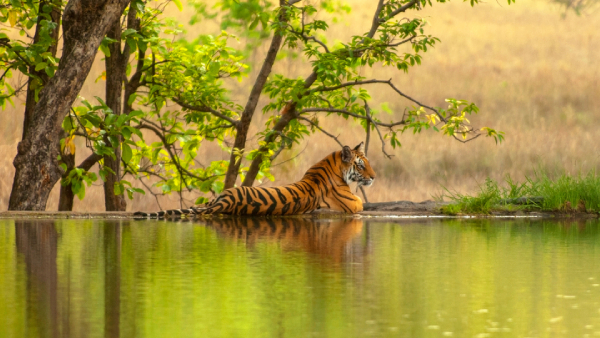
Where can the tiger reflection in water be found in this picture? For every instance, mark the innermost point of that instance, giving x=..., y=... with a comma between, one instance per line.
x=325, y=238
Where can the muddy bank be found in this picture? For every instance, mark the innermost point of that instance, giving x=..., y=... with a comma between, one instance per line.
x=396, y=209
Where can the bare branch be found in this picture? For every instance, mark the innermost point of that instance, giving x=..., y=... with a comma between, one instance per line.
x=389, y=82
x=321, y=129
x=368, y=112
x=346, y=84
x=376, y=22
x=289, y=159
x=368, y=136
x=343, y=111
x=364, y=193
x=308, y=37
x=467, y=140
x=152, y=192
x=399, y=10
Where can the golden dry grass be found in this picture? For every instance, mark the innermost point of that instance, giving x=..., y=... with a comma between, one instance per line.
x=533, y=74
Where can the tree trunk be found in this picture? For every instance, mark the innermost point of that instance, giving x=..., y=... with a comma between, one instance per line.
x=115, y=74
x=285, y=119
x=66, y=193
x=65, y=201
x=259, y=84
x=85, y=23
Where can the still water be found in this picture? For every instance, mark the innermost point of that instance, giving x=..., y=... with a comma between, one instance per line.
x=299, y=278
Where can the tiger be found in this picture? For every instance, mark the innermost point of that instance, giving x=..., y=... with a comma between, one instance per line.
x=324, y=185
x=328, y=239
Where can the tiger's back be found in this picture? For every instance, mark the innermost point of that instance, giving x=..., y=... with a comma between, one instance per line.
x=324, y=185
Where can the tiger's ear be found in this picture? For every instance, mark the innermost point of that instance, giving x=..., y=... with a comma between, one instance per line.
x=347, y=154
x=360, y=147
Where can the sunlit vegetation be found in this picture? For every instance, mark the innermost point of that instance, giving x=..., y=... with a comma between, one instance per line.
x=543, y=192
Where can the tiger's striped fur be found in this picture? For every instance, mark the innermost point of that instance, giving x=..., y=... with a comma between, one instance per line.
x=324, y=185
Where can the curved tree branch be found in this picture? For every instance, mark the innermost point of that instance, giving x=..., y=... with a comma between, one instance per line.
x=206, y=109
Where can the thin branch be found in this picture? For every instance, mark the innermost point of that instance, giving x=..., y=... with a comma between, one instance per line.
x=364, y=193
x=399, y=10
x=206, y=109
x=402, y=42
x=368, y=136
x=368, y=112
x=467, y=140
x=5, y=71
x=346, y=84
x=276, y=153
x=289, y=159
x=153, y=194
x=321, y=129
x=389, y=82
x=309, y=37
x=343, y=111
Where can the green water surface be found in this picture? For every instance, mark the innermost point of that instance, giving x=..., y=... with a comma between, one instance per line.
x=299, y=278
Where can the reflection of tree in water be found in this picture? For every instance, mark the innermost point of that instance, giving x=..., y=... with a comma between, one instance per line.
x=37, y=246
x=331, y=239
x=50, y=308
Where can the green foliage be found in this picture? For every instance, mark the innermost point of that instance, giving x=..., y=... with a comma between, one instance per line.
x=562, y=192
x=76, y=179
x=180, y=97
x=22, y=55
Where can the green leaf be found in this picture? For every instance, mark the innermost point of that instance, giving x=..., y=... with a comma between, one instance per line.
x=40, y=66
x=67, y=124
x=105, y=50
x=126, y=153
x=119, y=188
x=80, y=190
x=49, y=71
x=178, y=4
x=254, y=24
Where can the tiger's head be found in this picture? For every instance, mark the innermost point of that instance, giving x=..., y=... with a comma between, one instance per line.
x=356, y=166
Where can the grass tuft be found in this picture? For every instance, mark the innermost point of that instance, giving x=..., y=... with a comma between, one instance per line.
x=562, y=193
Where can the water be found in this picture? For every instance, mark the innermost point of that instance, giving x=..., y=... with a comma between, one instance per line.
x=299, y=278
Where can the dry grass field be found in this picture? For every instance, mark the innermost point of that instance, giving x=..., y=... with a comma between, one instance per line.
x=533, y=74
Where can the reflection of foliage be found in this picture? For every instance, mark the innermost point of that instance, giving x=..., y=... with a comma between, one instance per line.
x=183, y=279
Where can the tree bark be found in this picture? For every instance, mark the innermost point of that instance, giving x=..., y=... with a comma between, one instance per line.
x=115, y=74
x=85, y=23
x=246, y=118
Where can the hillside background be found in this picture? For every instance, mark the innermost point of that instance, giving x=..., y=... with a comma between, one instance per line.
x=533, y=72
